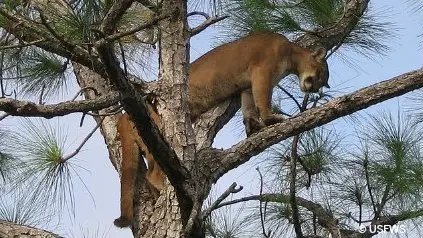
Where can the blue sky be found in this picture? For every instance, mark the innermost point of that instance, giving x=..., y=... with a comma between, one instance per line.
x=103, y=182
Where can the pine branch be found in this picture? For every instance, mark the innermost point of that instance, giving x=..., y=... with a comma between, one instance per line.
x=29, y=109
x=119, y=35
x=208, y=22
x=27, y=30
x=325, y=218
x=10, y=229
x=113, y=16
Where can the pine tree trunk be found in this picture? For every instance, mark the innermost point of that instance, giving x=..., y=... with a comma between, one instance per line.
x=163, y=216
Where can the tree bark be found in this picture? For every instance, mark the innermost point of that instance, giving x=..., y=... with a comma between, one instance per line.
x=8, y=229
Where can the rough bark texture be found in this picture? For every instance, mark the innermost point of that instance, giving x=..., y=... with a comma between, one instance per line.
x=9, y=230
x=172, y=105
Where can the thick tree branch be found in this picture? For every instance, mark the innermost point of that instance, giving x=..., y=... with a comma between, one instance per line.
x=29, y=109
x=209, y=123
x=333, y=35
x=8, y=229
x=114, y=15
x=339, y=107
x=394, y=219
x=149, y=4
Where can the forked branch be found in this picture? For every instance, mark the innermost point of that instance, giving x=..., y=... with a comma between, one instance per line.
x=231, y=190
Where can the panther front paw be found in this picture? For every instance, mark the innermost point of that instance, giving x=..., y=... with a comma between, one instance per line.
x=273, y=119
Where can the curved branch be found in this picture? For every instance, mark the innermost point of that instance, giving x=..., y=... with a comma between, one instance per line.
x=332, y=35
x=325, y=218
x=240, y=153
x=210, y=21
x=148, y=24
x=29, y=109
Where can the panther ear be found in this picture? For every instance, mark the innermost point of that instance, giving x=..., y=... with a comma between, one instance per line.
x=319, y=53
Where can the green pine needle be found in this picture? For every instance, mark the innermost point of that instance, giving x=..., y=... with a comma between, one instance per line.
x=45, y=175
x=372, y=35
x=19, y=208
x=9, y=164
x=395, y=154
x=42, y=73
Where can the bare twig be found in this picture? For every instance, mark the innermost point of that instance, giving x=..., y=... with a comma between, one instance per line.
x=151, y=23
x=290, y=96
x=85, y=89
x=369, y=187
x=21, y=45
x=40, y=98
x=4, y=116
x=315, y=208
x=231, y=190
x=292, y=186
x=205, y=15
x=111, y=112
x=3, y=93
x=78, y=149
x=262, y=216
x=349, y=215
x=210, y=21
x=383, y=201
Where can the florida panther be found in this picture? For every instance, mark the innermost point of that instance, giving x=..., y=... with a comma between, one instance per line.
x=249, y=67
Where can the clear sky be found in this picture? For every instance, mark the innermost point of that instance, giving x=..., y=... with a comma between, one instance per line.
x=103, y=182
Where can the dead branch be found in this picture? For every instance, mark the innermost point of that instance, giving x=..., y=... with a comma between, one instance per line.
x=210, y=21
x=326, y=219
x=134, y=30
x=78, y=149
x=29, y=109
x=231, y=190
x=262, y=214
x=21, y=45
